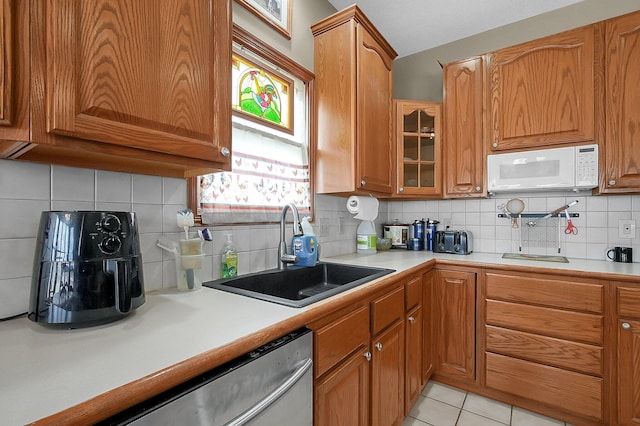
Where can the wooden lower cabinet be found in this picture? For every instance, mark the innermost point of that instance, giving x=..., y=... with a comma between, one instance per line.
x=359, y=357
x=387, y=376
x=454, y=315
x=627, y=354
x=544, y=341
x=414, y=341
x=427, y=326
x=342, y=396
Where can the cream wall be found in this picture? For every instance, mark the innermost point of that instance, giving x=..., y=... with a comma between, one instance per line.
x=419, y=77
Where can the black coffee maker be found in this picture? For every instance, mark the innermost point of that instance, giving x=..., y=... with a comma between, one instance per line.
x=87, y=268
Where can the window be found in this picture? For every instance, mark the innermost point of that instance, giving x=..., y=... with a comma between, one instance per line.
x=271, y=133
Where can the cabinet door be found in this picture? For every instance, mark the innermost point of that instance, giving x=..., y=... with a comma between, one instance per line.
x=141, y=74
x=6, y=62
x=454, y=313
x=374, y=107
x=387, y=377
x=413, y=357
x=622, y=148
x=342, y=396
x=427, y=326
x=418, y=150
x=463, y=114
x=628, y=355
x=542, y=92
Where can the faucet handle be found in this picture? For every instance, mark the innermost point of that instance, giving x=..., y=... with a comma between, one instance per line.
x=289, y=258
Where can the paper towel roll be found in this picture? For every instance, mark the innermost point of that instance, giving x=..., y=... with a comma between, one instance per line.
x=364, y=208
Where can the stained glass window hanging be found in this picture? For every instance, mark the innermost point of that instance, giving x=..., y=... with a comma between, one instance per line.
x=262, y=94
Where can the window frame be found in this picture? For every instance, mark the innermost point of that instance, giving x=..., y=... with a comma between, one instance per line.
x=257, y=47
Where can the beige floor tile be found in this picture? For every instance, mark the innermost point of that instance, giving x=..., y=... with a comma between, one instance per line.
x=434, y=412
x=522, y=417
x=410, y=421
x=468, y=418
x=488, y=408
x=443, y=393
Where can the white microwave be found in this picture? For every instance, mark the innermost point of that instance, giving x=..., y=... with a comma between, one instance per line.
x=573, y=168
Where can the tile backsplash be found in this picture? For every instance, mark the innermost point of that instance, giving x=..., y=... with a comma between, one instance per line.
x=27, y=189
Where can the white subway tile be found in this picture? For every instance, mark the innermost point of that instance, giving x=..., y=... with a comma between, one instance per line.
x=174, y=191
x=16, y=257
x=73, y=184
x=113, y=187
x=14, y=296
x=147, y=189
x=21, y=218
x=621, y=203
x=152, y=273
x=22, y=180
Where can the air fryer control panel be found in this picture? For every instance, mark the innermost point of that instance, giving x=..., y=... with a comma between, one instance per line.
x=89, y=235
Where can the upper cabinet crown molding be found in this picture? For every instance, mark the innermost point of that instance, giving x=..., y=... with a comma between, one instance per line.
x=129, y=86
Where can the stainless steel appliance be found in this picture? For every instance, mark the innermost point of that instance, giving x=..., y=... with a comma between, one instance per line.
x=87, y=268
x=270, y=386
x=456, y=242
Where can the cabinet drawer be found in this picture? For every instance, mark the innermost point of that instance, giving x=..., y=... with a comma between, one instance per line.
x=574, y=356
x=576, y=393
x=413, y=293
x=548, y=291
x=337, y=340
x=575, y=326
x=387, y=309
x=629, y=302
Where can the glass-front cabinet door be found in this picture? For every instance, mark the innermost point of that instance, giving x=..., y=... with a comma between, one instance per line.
x=418, y=148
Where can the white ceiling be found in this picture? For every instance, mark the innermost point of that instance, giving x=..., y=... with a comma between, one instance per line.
x=412, y=26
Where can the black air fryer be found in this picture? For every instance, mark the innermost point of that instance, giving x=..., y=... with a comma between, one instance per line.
x=87, y=268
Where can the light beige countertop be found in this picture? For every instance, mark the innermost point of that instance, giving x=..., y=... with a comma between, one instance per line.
x=47, y=370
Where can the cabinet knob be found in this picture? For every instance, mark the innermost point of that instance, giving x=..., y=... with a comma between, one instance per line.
x=612, y=182
x=626, y=326
x=225, y=151
x=411, y=319
x=367, y=355
x=478, y=188
x=401, y=189
x=495, y=144
x=379, y=346
x=363, y=182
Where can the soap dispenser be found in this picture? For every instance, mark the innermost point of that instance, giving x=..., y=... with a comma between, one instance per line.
x=229, y=259
x=306, y=245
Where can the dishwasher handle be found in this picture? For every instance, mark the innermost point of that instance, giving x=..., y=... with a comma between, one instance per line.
x=263, y=404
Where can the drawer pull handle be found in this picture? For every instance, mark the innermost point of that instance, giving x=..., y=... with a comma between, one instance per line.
x=379, y=346
x=367, y=355
x=626, y=326
x=411, y=319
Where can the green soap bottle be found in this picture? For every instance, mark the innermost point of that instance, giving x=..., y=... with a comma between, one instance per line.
x=229, y=259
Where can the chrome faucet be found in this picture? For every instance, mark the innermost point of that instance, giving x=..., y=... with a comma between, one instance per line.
x=285, y=258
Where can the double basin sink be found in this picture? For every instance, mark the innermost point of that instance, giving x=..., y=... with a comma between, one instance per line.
x=299, y=286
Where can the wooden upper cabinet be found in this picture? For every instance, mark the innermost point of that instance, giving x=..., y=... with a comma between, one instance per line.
x=6, y=62
x=464, y=89
x=132, y=86
x=620, y=165
x=543, y=92
x=139, y=74
x=418, y=147
x=354, y=86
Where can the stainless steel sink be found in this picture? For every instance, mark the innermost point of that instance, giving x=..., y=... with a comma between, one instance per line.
x=298, y=287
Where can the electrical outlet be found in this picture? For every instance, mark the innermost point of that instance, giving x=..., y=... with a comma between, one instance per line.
x=626, y=228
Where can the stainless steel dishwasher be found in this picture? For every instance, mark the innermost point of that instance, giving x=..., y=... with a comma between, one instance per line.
x=272, y=385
